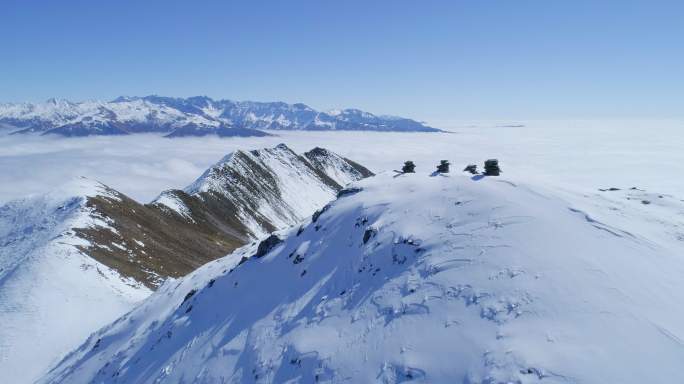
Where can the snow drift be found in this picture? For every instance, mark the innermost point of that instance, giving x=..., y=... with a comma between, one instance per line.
x=412, y=279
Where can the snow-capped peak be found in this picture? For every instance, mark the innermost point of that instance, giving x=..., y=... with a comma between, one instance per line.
x=276, y=185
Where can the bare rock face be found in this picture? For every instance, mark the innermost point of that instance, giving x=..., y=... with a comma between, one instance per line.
x=266, y=245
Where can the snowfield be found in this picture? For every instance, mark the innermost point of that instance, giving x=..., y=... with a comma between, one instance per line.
x=445, y=279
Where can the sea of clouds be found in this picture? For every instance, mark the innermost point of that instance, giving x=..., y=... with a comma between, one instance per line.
x=572, y=154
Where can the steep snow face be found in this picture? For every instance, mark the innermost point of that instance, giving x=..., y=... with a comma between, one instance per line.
x=414, y=278
x=272, y=188
x=195, y=116
x=48, y=289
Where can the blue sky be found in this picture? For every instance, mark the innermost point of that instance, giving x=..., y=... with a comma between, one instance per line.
x=431, y=60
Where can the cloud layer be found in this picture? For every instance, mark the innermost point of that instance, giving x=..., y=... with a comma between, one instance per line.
x=579, y=154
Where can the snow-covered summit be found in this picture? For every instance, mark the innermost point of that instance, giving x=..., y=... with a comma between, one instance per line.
x=218, y=175
x=412, y=278
x=273, y=188
x=194, y=116
x=342, y=170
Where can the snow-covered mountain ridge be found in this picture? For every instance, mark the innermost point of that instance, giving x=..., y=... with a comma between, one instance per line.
x=241, y=198
x=79, y=257
x=48, y=287
x=194, y=116
x=413, y=279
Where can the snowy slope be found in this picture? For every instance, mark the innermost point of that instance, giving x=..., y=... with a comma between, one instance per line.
x=194, y=116
x=48, y=289
x=74, y=260
x=414, y=278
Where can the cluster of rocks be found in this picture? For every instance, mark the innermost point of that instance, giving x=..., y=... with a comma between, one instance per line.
x=443, y=166
x=408, y=167
x=491, y=167
x=471, y=168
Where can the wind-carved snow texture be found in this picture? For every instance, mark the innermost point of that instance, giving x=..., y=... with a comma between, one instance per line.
x=48, y=289
x=194, y=116
x=661, y=215
x=412, y=279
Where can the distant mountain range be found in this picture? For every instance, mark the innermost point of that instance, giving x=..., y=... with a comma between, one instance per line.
x=194, y=116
